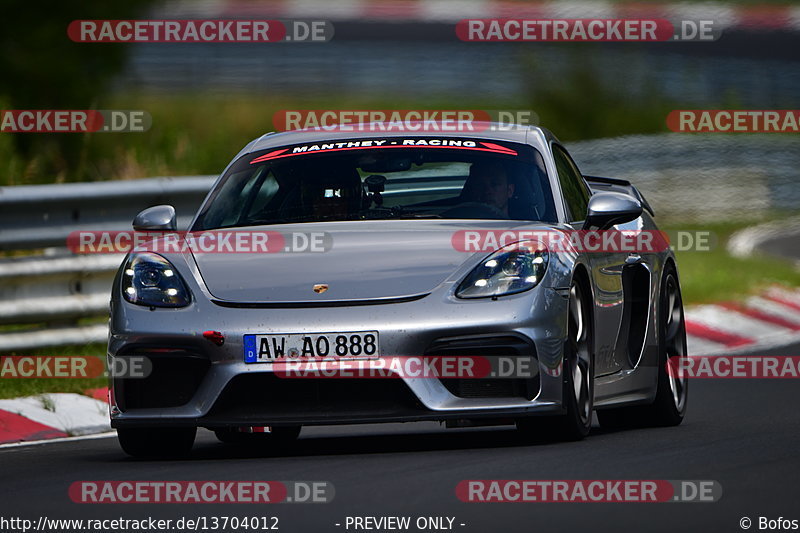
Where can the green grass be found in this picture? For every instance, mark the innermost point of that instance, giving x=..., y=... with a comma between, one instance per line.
x=16, y=387
x=190, y=134
x=714, y=276
x=199, y=133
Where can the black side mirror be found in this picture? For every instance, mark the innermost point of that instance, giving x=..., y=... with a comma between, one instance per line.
x=609, y=208
x=156, y=218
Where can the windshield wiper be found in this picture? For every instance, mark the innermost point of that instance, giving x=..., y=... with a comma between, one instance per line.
x=399, y=211
x=417, y=215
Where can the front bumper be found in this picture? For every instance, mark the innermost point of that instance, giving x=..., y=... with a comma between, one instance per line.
x=196, y=383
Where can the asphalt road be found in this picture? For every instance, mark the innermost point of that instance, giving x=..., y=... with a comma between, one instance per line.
x=786, y=246
x=741, y=433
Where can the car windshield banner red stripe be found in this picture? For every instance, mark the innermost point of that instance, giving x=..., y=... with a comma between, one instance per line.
x=339, y=146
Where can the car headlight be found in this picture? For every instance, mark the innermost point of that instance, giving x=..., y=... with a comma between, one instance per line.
x=149, y=279
x=511, y=269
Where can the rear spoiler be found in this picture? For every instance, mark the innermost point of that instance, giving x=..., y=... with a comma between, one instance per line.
x=598, y=184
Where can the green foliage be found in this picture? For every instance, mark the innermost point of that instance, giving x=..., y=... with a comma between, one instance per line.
x=11, y=387
x=43, y=69
x=573, y=101
x=715, y=276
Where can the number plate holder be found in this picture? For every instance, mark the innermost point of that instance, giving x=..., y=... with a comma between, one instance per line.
x=341, y=346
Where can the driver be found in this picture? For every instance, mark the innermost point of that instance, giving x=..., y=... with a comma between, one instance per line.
x=488, y=183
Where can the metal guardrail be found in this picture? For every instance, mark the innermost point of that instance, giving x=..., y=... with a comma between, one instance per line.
x=46, y=300
x=38, y=216
x=702, y=177
x=53, y=294
x=36, y=289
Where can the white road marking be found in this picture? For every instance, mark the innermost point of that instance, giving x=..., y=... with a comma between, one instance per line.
x=104, y=435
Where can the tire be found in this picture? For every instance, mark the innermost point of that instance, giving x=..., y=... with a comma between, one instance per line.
x=669, y=406
x=156, y=442
x=278, y=435
x=672, y=395
x=578, y=372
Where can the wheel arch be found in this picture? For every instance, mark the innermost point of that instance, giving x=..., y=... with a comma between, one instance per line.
x=580, y=274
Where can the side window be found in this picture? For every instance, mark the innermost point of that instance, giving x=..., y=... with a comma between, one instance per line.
x=226, y=208
x=264, y=194
x=576, y=195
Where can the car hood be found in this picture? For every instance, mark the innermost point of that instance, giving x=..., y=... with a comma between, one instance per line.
x=365, y=260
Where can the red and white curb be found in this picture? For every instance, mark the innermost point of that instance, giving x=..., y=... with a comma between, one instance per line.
x=51, y=416
x=769, y=320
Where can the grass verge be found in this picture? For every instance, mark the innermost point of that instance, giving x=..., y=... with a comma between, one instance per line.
x=715, y=275
x=15, y=387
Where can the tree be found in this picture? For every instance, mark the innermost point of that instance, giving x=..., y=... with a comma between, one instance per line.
x=41, y=68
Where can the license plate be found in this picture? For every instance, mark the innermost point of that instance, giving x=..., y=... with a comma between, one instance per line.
x=298, y=346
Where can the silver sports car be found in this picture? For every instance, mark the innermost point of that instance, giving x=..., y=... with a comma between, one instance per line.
x=322, y=264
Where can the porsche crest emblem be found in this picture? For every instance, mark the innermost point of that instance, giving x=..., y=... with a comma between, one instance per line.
x=319, y=288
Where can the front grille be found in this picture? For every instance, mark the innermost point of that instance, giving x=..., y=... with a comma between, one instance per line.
x=487, y=388
x=488, y=346
x=175, y=377
x=266, y=397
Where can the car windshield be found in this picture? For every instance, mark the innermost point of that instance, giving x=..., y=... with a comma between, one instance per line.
x=374, y=179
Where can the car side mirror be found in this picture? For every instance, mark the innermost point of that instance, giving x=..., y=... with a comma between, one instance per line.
x=156, y=218
x=609, y=208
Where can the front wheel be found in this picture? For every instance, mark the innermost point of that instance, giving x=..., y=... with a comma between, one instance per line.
x=672, y=395
x=156, y=442
x=578, y=372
